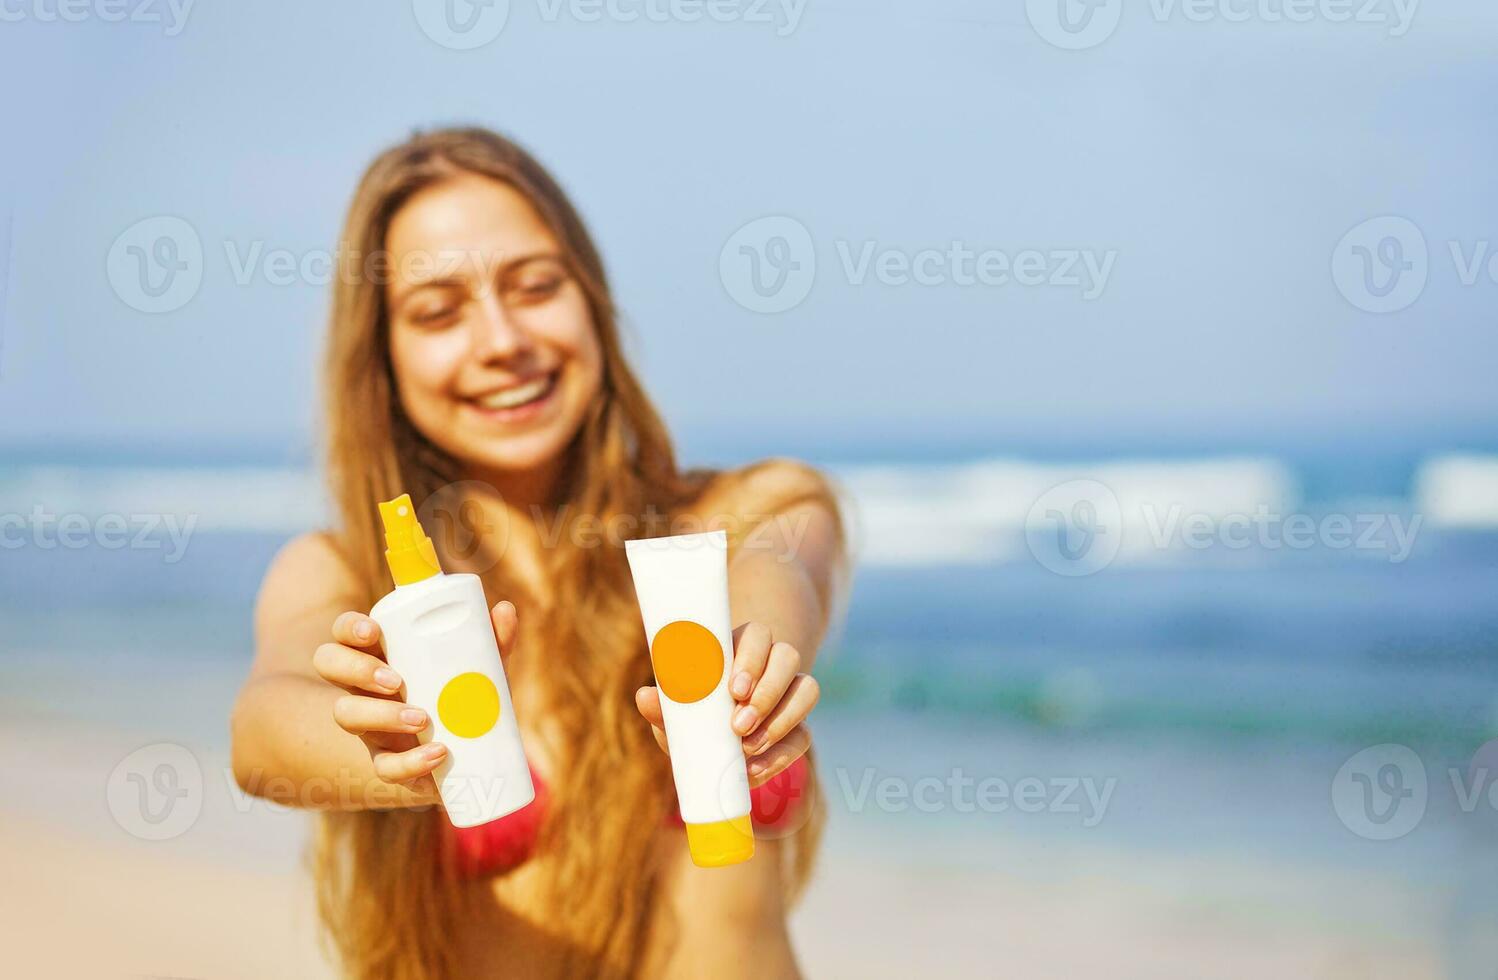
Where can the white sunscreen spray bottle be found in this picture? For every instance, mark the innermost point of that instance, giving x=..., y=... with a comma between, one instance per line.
x=682, y=585
x=438, y=636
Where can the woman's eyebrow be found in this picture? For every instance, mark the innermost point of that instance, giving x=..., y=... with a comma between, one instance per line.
x=492, y=270
x=403, y=291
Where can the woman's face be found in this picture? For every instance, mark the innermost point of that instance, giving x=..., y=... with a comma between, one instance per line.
x=495, y=354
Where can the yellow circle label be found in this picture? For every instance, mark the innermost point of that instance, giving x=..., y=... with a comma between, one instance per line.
x=688, y=661
x=468, y=705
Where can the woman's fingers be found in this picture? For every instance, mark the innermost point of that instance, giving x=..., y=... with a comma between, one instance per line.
x=648, y=700
x=800, y=697
x=506, y=624
x=402, y=767
x=358, y=715
x=354, y=669
x=751, y=650
x=779, y=756
x=356, y=630
x=782, y=667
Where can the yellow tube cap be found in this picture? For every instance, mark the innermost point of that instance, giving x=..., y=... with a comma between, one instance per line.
x=721, y=843
x=408, y=551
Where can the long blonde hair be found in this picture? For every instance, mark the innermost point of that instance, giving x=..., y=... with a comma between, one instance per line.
x=387, y=889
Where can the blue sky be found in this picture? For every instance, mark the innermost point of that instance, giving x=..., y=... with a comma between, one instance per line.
x=1220, y=163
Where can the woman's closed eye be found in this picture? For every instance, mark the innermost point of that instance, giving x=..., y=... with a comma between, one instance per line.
x=435, y=315
x=534, y=282
x=535, y=291
x=434, y=309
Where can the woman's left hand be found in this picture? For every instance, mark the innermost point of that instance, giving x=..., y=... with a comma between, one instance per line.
x=772, y=699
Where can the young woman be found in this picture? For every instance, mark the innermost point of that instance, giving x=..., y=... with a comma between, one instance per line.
x=475, y=361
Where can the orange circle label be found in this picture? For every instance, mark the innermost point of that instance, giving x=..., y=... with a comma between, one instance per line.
x=688, y=661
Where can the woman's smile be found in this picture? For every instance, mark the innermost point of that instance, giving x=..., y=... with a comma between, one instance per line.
x=517, y=403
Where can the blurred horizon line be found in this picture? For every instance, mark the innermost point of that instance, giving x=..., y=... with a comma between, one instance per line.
x=726, y=444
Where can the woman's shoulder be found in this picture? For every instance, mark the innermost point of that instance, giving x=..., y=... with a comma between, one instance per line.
x=308, y=571
x=766, y=488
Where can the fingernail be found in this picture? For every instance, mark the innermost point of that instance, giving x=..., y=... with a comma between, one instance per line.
x=741, y=684
x=364, y=630
x=756, y=745
x=435, y=751
x=414, y=717
x=743, y=719
x=388, y=679
x=755, y=768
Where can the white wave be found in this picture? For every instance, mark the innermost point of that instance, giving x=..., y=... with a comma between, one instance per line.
x=1458, y=491
x=247, y=498
x=976, y=513
x=900, y=515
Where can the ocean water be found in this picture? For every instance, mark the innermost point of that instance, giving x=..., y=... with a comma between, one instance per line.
x=961, y=605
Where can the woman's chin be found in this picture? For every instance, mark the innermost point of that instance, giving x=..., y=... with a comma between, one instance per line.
x=516, y=455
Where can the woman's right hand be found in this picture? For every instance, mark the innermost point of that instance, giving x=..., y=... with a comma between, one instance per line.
x=372, y=708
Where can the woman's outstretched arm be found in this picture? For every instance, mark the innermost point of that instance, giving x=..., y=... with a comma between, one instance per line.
x=303, y=741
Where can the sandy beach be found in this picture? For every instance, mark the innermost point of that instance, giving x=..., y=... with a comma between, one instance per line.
x=228, y=897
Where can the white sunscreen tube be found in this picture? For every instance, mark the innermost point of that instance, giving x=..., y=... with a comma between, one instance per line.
x=438, y=636
x=682, y=585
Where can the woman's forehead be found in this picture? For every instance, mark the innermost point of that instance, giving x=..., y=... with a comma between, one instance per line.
x=469, y=212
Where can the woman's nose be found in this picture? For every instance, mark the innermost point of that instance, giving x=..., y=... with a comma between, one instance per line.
x=496, y=335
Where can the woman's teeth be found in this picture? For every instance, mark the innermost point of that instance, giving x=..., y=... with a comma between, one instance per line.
x=516, y=396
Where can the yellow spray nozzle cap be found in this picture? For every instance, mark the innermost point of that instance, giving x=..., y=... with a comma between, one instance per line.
x=408, y=550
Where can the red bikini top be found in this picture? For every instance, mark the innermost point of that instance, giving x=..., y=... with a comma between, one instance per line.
x=501, y=844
